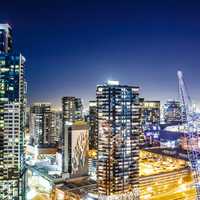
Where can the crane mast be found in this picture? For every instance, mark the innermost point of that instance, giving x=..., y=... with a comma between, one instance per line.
x=191, y=133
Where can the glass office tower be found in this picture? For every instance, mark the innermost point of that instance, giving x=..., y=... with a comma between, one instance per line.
x=12, y=124
x=119, y=129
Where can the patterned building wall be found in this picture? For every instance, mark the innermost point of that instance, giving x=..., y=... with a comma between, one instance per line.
x=79, y=150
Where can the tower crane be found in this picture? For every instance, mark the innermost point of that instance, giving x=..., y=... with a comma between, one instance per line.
x=192, y=130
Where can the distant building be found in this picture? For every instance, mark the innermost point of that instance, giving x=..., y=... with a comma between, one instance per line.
x=12, y=119
x=151, y=120
x=172, y=112
x=5, y=38
x=72, y=109
x=41, y=129
x=93, y=125
x=119, y=129
x=75, y=149
x=56, y=126
x=151, y=113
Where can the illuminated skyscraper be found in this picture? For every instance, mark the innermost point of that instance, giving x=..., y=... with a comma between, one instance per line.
x=12, y=119
x=5, y=38
x=56, y=126
x=72, y=109
x=151, y=112
x=42, y=126
x=151, y=119
x=119, y=129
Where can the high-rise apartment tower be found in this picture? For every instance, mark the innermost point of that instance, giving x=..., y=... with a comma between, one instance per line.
x=12, y=119
x=119, y=129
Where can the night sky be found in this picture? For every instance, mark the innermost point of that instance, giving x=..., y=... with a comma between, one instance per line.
x=71, y=46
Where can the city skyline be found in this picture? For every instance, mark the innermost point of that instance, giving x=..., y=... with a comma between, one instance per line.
x=137, y=43
x=99, y=100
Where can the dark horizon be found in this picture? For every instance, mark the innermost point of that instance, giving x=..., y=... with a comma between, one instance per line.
x=71, y=46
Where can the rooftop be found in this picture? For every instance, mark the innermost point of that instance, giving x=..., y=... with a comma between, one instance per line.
x=5, y=26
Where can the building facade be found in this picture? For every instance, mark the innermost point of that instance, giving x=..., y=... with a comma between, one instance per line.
x=172, y=112
x=56, y=126
x=75, y=149
x=151, y=113
x=119, y=129
x=72, y=109
x=41, y=129
x=93, y=125
x=151, y=120
x=12, y=119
